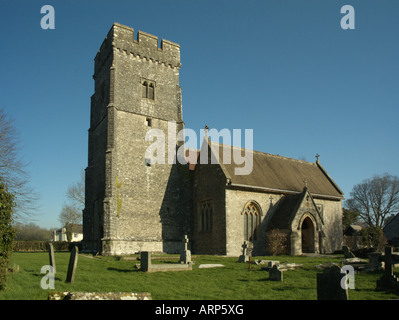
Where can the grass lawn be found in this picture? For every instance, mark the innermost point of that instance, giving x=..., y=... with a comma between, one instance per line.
x=234, y=281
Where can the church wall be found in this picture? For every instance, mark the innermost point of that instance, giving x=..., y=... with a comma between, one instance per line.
x=235, y=203
x=332, y=217
x=209, y=186
x=130, y=71
x=150, y=204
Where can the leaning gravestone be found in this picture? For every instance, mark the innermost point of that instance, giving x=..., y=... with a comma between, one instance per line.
x=73, y=261
x=329, y=285
x=51, y=256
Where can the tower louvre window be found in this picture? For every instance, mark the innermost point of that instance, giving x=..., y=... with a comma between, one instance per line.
x=148, y=89
x=151, y=91
x=144, y=89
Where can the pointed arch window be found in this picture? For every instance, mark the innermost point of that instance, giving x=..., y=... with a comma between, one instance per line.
x=205, y=216
x=251, y=221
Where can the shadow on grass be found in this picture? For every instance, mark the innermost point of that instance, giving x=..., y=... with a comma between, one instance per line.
x=122, y=270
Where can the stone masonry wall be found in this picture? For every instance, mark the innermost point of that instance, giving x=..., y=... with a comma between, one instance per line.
x=145, y=206
x=209, y=185
x=235, y=203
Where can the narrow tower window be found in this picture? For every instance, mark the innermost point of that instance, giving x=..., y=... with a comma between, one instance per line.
x=151, y=91
x=144, y=89
x=148, y=89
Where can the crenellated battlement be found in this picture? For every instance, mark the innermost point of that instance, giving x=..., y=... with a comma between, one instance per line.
x=146, y=46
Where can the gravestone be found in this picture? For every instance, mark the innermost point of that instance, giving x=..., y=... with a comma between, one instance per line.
x=210, y=265
x=329, y=285
x=388, y=281
x=185, y=256
x=245, y=256
x=145, y=261
x=51, y=256
x=375, y=261
x=73, y=261
x=275, y=274
x=147, y=266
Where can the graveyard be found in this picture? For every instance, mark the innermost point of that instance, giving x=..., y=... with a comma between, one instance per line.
x=207, y=278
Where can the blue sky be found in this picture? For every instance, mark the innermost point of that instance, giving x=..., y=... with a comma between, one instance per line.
x=285, y=69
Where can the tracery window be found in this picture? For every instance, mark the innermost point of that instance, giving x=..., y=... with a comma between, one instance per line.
x=205, y=216
x=251, y=221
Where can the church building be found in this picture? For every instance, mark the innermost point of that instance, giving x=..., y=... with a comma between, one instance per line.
x=136, y=204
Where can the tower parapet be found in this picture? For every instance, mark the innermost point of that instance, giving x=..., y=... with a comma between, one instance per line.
x=146, y=47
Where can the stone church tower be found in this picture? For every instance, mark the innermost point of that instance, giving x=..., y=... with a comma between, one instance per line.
x=132, y=203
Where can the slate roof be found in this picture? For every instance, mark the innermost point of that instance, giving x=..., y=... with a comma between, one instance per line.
x=391, y=230
x=275, y=173
x=287, y=207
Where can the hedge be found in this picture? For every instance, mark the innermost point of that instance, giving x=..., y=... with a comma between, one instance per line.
x=7, y=231
x=40, y=246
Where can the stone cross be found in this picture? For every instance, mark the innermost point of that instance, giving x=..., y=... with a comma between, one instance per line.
x=73, y=261
x=329, y=285
x=51, y=256
x=185, y=256
x=388, y=281
x=185, y=242
x=244, y=248
x=244, y=257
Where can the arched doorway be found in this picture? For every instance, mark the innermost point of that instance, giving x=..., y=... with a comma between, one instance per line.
x=307, y=230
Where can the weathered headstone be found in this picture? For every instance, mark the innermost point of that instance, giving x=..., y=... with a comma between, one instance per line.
x=388, y=280
x=245, y=256
x=275, y=274
x=145, y=261
x=329, y=285
x=375, y=261
x=73, y=261
x=185, y=256
x=51, y=256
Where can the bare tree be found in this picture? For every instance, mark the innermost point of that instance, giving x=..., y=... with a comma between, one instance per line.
x=76, y=192
x=375, y=199
x=71, y=212
x=69, y=216
x=12, y=170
